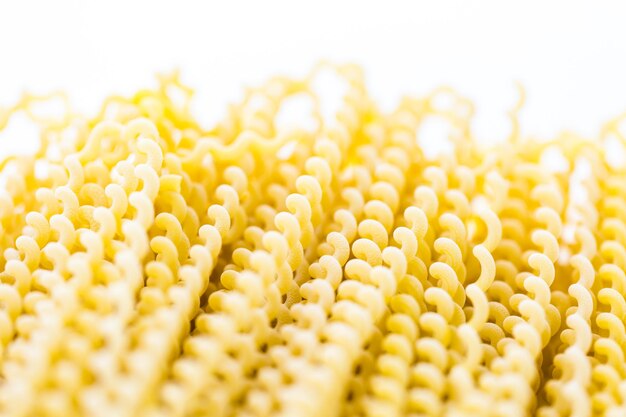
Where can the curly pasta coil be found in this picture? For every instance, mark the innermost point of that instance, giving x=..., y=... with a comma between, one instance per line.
x=153, y=268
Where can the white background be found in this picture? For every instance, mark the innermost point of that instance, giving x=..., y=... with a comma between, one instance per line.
x=569, y=55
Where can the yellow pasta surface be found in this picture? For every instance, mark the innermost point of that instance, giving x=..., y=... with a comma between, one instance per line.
x=336, y=267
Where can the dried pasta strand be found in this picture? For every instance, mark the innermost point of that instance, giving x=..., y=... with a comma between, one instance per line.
x=152, y=268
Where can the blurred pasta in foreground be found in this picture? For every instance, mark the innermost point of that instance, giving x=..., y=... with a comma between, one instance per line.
x=152, y=268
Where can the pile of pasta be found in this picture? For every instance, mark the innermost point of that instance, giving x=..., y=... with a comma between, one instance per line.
x=154, y=268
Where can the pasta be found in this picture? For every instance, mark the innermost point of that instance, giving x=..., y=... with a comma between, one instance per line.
x=155, y=268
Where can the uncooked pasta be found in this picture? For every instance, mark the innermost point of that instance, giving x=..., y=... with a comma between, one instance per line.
x=331, y=265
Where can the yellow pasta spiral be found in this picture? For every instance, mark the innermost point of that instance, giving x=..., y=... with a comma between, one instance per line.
x=151, y=267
